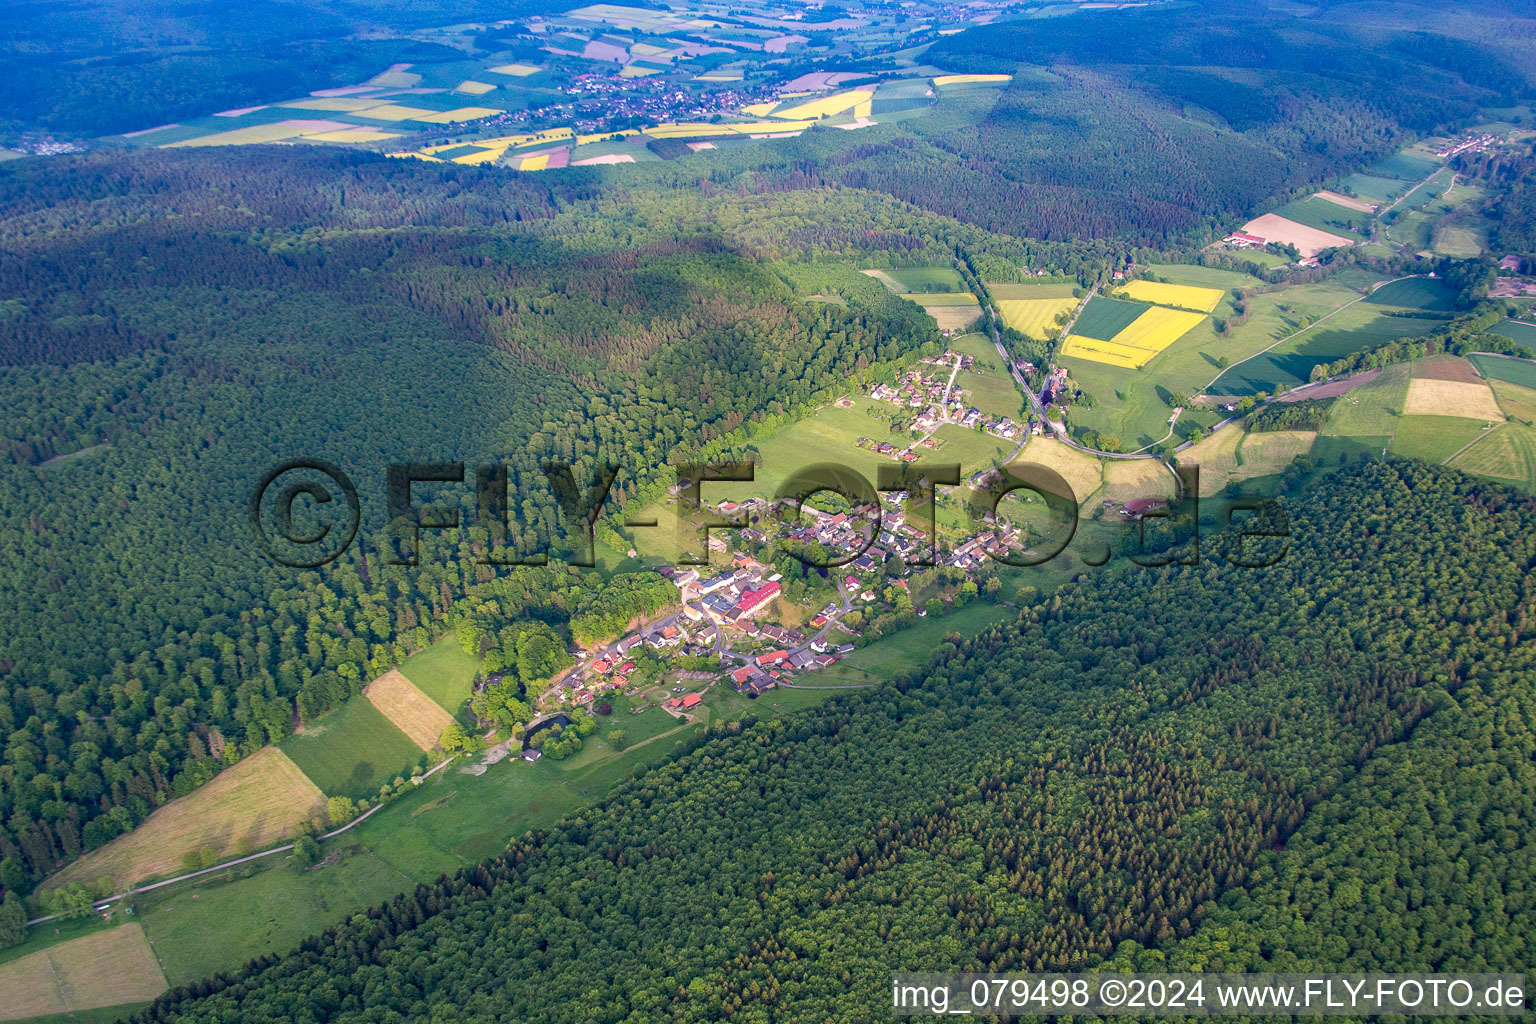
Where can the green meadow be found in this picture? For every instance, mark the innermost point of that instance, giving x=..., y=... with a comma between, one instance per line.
x=351, y=751
x=443, y=672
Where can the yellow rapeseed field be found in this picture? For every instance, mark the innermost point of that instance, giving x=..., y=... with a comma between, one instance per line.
x=827, y=105
x=1079, y=347
x=969, y=79
x=1182, y=295
x=1158, y=328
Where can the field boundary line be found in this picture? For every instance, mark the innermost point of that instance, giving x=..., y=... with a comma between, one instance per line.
x=1480, y=437
x=58, y=980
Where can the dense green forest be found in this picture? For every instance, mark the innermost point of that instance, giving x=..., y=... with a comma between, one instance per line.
x=377, y=313
x=1180, y=764
x=1227, y=108
x=1322, y=764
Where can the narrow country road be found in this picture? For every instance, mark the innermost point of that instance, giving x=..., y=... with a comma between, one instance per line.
x=98, y=904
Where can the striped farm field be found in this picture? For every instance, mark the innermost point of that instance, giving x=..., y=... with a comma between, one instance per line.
x=256, y=802
x=1034, y=317
x=1506, y=452
x=704, y=129
x=1507, y=368
x=1043, y=289
x=950, y=316
x=454, y=116
x=254, y=135
x=1517, y=331
x=412, y=712
x=395, y=112
x=1105, y=352
x=352, y=135
x=104, y=968
x=1183, y=296
x=943, y=80
x=942, y=298
x=339, y=104
x=827, y=105
x=1158, y=328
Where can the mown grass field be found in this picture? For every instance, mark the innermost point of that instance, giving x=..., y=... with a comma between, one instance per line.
x=1430, y=397
x=1082, y=472
x=950, y=316
x=1371, y=410
x=1435, y=438
x=351, y=751
x=1217, y=458
x=256, y=802
x=410, y=710
x=988, y=385
x=104, y=968
x=1376, y=188
x=443, y=672
x=1518, y=403
x=1231, y=455
x=1129, y=479
x=1403, y=166
x=1043, y=288
x=1035, y=317
x=1271, y=451
x=1506, y=453
x=927, y=279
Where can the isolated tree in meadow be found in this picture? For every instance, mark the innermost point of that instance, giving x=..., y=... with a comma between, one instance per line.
x=340, y=810
x=453, y=737
x=306, y=852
